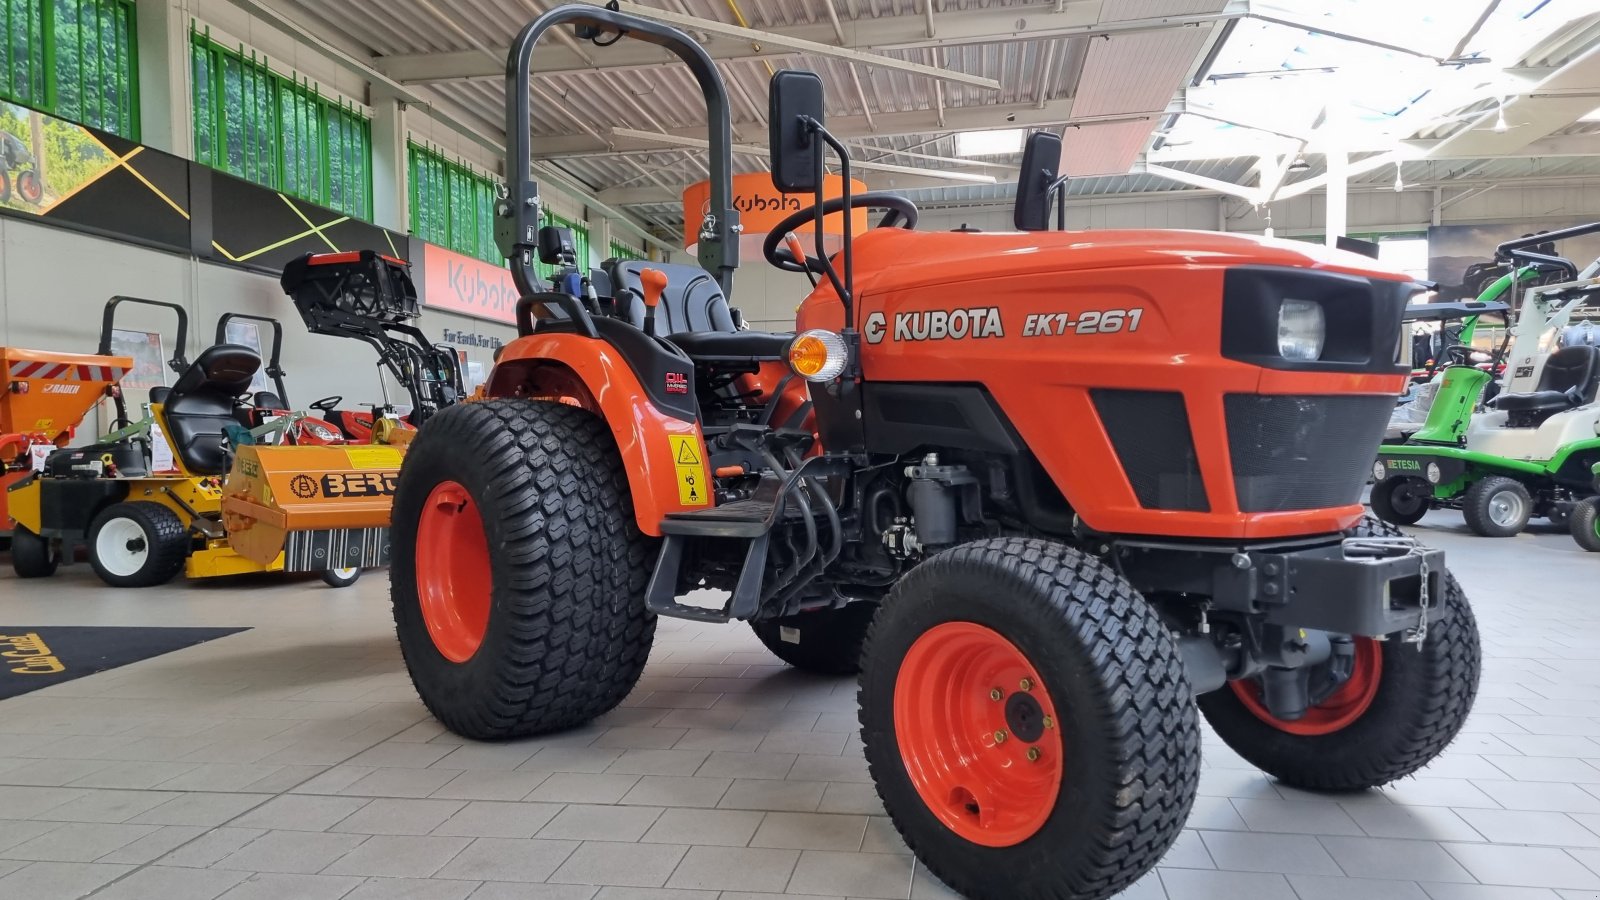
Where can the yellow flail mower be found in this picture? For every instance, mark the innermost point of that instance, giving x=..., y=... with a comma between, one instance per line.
x=213, y=502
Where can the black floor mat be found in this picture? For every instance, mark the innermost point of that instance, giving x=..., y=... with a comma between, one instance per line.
x=32, y=657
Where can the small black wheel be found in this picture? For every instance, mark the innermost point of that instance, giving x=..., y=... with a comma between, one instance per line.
x=1585, y=524
x=5, y=184
x=341, y=578
x=1398, y=711
x=519, y=571
x=1063, y=697
x=31, y=555
x=1403, y=501
x=1497, y=506
x=138, y=544
x=827, y=642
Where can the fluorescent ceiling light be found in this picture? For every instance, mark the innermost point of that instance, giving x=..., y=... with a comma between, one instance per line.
x=1592, y=116
x=989, y=143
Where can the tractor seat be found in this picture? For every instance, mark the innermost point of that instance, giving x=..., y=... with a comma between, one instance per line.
x=269, y=400
x=200, y=406
x=159, y=394
x=1571, y=378
x=693, y=312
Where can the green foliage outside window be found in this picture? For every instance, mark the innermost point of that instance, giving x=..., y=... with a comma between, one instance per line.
x=278, y=132
x=451, y=205
x=620, y=250
x=73, y=59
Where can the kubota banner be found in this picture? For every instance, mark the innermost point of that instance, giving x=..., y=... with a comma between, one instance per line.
x=472, y=287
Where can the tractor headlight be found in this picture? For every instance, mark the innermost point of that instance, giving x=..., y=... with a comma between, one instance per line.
x=1434, y=475
x=818, y=355
x=320, y=431
x=1302, y=330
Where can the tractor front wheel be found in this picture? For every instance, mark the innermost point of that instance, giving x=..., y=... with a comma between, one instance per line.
x=138, y=544
x=1028, y=722
x=341, y=578
x=1585, y=524
x=519, y=574
x=1400, y=708
x=1497, y=506
x=31, y=555
x=1403, y=501
x=827, y=642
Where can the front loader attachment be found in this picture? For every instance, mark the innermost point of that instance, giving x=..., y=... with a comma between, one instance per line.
x=320, y=507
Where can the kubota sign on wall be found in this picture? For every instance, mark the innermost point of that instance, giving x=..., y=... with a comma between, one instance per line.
x=472, y=287
x=761, y=207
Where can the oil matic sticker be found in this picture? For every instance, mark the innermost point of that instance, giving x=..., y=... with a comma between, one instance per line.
x=373, y=457
x=691, y=473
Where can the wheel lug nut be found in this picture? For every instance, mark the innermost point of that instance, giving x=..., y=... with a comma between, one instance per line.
x=1033, y=754
x=1027, y=684
x=1049, y=722
x=996, y=694
x=999, y=737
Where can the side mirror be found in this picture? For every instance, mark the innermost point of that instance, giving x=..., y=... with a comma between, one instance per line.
x=557, y=246
x=794, y=97
x=1041, y=162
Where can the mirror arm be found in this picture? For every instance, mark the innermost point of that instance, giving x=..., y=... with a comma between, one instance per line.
x=819, y=157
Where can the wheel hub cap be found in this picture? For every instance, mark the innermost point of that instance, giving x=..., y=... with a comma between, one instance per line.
x=979, y=734
x=1505, y=509
x=122, y=547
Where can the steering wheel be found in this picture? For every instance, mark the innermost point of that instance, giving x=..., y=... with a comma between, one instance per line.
x=902, y=213
x=327, y=404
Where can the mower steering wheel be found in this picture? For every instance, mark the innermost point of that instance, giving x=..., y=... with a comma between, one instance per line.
x=327, y=404
x=902, y=213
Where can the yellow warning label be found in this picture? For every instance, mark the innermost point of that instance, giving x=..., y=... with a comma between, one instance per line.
x=691, y=475
x=373, y=457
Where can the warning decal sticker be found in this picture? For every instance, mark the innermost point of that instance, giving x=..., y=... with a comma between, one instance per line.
x=691, y=473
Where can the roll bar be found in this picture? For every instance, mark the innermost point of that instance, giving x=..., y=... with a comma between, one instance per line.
x=274, y=368
x=1515, y=251
x=179, y=362
x=517, y=214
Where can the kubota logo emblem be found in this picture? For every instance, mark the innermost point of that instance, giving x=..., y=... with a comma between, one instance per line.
x=304, y=486
x=877, y=326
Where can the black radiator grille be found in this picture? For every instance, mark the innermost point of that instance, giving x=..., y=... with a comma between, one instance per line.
x=1293, y=452
x=1150, y=432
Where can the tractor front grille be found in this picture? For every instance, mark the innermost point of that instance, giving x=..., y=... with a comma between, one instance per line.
x=1295, y=452
x=1150, y=432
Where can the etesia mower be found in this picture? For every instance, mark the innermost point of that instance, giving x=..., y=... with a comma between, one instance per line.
x=220, y=509
x=1053, y=494
x=43, y=399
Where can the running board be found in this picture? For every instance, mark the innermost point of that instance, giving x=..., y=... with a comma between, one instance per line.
x=662, y=596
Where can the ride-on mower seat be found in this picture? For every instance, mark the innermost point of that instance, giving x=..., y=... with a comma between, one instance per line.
x=693, y=312
x=1571, y=378
x=200, y=406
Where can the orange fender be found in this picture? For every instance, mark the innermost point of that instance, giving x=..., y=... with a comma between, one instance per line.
x=665, y=457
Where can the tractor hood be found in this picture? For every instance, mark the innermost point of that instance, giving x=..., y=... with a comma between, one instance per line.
x=893, y=259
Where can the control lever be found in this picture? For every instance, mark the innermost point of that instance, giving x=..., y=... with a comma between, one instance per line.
x=798, y=251
x=654, y=282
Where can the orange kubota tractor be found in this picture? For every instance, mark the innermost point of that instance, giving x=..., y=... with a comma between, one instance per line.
x=1055, y=496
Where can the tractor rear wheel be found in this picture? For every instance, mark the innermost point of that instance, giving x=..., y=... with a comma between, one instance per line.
x=519, y=574
x=827, y=642
x=31, y=555
x=1403, y=501
x=1497, y=506
x=138, y=544
x=1028, y=722
x=1401, y=707
x=1585, y=524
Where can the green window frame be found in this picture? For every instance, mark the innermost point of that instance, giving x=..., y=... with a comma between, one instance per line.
x=73, y=59
x=580, y=241
x=278, y=132
x=619, y=250
x=451, y=205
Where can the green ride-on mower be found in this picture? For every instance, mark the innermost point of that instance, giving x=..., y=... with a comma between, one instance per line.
x=1528, y=451
x=1585, y=518
x=1054, y=496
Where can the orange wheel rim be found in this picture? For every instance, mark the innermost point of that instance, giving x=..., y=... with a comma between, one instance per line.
x=978, y=733
x=453, y=582
x=1347, y=704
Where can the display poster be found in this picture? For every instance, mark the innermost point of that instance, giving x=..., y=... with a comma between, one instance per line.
x=1461, y=257
x=149, y=362
x=247, y=334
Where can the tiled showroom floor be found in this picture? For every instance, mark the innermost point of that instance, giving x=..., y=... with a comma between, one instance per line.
x=294, y=761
